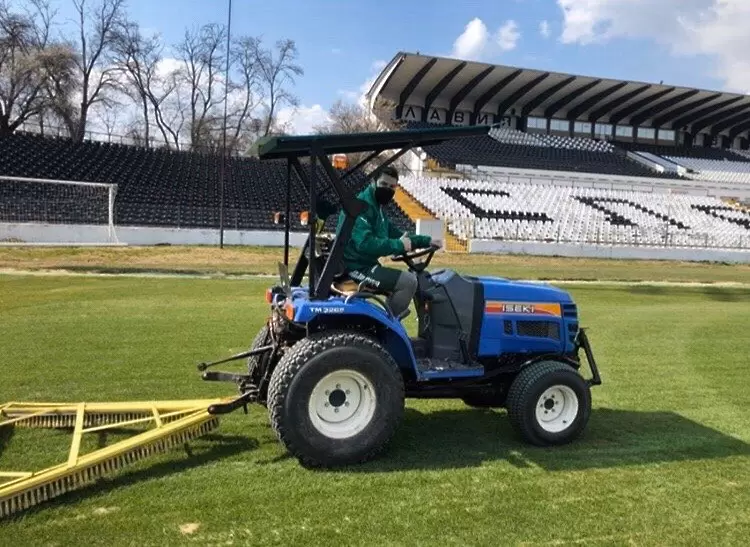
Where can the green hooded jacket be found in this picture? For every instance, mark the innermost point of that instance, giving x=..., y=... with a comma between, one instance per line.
x=374, y=235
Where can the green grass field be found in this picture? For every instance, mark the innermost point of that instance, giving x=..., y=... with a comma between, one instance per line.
x=665, y=459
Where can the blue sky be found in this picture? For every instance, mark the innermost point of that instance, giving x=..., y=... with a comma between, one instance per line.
x=343, y=44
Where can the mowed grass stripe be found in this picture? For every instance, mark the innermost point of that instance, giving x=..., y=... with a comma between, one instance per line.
x=665, y=460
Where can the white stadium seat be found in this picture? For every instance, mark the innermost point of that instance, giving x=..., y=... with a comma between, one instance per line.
x=544, y=213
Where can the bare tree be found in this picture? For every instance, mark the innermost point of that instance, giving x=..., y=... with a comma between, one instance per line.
x=344, y=117
x=277, y=72
x=27, y=56
x=247, y=91
x=109, y=116
x=137, y=57
x=201, y=77
x=97, y=26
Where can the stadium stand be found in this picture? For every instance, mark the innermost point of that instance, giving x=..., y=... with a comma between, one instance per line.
x=488, y=209
x=712, y=169
x=513, y=136
x=156, y=187
x=697, y=152
x=553, y=153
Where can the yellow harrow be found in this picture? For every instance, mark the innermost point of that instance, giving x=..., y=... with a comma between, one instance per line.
x=168, y=423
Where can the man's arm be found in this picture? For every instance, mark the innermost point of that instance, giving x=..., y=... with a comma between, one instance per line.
x=417, y=241
x=366, y=242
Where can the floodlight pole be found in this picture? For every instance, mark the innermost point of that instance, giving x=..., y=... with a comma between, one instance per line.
x=223, y=164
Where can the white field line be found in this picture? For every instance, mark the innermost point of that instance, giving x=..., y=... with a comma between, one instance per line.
x=68, y=273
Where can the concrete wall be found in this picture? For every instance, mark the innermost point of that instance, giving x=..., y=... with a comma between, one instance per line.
x=609, y=251
x=50, y=234
x=139, y=235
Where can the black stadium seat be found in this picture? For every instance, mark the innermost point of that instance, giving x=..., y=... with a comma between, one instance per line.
x=486, y=151
x=158, y=187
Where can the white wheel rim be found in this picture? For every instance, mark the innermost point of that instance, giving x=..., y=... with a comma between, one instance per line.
x=342, y=404
x=557, y=408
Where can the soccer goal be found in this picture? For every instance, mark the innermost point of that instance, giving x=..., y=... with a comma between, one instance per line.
x=56, y=212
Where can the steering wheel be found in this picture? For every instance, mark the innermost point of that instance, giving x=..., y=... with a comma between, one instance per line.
x=409, y=257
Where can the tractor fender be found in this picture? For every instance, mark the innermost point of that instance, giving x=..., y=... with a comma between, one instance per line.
x=336, y=311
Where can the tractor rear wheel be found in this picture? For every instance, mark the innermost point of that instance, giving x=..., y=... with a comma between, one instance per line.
x=549, y=403
x=259, y=363
x=336, y=398
x=263, y=338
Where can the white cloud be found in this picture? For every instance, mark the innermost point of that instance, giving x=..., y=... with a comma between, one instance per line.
x=508, y=36
x=358, y=95
x=544, y=29
x=302, y=119
x=474, y=43
x=336, y=51
x=714, y=28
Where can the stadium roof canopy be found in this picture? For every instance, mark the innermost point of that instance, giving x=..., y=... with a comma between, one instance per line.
x=447, y=90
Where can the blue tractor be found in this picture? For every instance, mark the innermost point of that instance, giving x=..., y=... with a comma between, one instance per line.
x=333, y=365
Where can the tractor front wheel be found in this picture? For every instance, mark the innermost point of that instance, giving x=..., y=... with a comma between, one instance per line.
x=336, y=398
x=549, y=403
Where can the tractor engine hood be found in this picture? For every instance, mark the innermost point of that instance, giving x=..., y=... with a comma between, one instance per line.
x=499, y=288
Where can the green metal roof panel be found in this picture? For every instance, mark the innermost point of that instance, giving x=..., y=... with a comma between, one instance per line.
x=294, y=146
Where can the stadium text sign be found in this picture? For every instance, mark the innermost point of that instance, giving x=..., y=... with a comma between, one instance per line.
x=411, y=113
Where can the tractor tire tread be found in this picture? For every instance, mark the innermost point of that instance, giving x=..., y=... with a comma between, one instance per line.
x=519, y=393
x=260, y=340
x=296, y=358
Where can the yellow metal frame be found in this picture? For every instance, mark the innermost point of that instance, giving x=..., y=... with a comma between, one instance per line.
x=173, y=423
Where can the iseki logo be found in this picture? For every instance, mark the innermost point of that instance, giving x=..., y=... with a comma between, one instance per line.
x=518, y=308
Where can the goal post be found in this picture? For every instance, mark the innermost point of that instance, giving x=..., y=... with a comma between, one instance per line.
x=38, y=211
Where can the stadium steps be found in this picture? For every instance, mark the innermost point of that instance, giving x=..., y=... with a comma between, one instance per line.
x=737, y=205
x=411, y=206
x=415, y=211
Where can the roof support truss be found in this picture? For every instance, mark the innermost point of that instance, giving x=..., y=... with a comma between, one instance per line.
x=544, y=95
x=438, y=89
x=412, y=85
x=608, y=106
x=491, y=92
x=739, y=129
x=555, y=107
x=689, y=107
x=520, y=92
x=702, y=113
x=731, y=122
x=661, y=106
x=465, y=90
x=592, y=101
x=716, y=119
x=624, y=112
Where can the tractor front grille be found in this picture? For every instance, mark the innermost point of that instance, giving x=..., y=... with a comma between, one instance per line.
x=538, y=329
x=570, y=310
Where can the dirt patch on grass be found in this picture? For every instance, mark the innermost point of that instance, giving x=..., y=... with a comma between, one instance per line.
x=189, y=528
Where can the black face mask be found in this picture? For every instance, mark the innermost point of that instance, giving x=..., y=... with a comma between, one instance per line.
x=384, y=195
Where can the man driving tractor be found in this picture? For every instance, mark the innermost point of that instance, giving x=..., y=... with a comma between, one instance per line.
x=374, y=236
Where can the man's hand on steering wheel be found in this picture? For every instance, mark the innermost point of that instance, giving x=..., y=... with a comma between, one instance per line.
x=406, y=241
x=409, y=256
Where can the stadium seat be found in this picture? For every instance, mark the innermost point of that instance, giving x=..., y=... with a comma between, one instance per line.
x=157, y=187
x=489, y=209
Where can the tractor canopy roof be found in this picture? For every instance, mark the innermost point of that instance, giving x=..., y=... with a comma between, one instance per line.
x=307, y=145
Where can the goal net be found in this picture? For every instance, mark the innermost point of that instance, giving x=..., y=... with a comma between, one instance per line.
x=56, y=212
